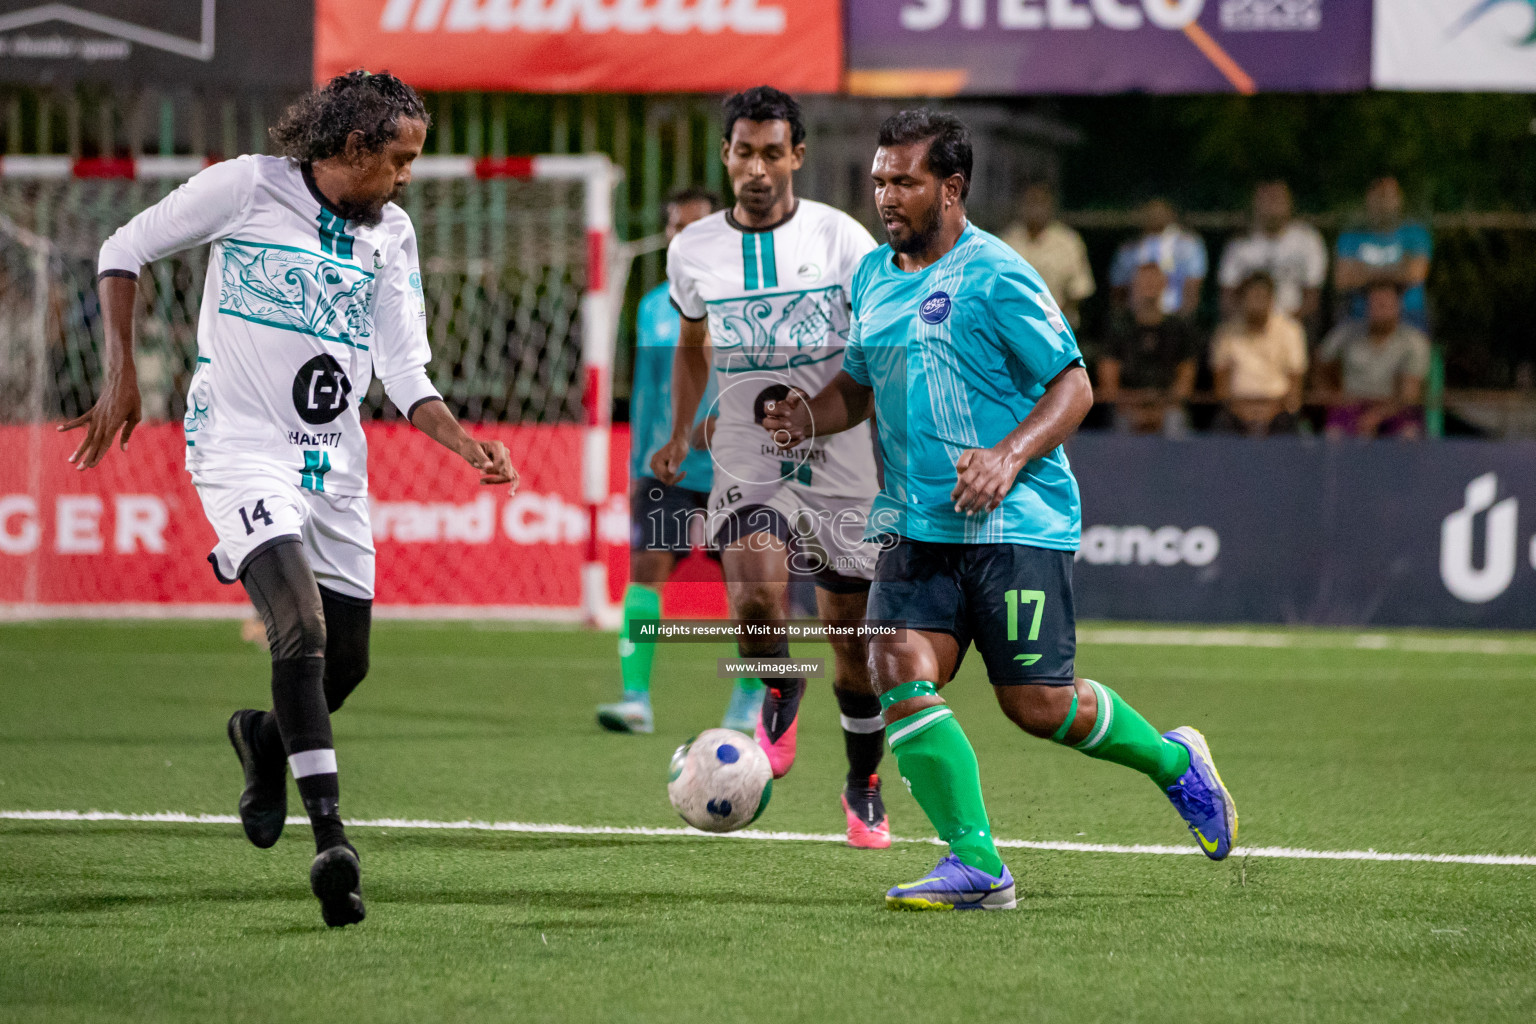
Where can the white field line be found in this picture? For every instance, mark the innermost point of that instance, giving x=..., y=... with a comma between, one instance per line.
x=1320, y=639
x=1278, y=852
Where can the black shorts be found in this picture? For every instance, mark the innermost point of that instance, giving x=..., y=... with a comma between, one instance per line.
x=749, y=519
x=1012, y=600
x=660, y=516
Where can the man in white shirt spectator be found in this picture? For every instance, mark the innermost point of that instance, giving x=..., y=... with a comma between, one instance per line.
x=1055, y=251
x=1290, y=251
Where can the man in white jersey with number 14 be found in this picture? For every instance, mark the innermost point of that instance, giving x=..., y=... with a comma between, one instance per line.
x=763, y=288
x=313, y=286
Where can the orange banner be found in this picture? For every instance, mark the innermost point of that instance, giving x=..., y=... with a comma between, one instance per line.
x=586, y=45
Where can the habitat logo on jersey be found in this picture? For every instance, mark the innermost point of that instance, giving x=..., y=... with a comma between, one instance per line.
x=295, y=290
x=935, y=308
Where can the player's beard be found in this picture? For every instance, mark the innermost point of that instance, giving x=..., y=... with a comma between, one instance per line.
x=920, y=234
x=368, y=212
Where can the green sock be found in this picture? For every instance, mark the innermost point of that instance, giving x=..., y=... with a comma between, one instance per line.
x=640, y=602
x=1121, y=735
x=939, y=767
x=748, y=685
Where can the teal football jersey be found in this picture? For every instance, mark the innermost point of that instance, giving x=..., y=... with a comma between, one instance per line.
x=958, y=354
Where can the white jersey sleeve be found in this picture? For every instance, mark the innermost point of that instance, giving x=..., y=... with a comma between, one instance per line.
x=681, y=286
x=855, y=242
x=208, y=206
x=401, y=352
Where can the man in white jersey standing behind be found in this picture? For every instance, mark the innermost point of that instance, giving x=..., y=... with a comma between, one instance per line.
x=764, y=287
x=313, y=286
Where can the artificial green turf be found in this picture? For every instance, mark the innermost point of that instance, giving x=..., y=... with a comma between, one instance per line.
x=1327, y=749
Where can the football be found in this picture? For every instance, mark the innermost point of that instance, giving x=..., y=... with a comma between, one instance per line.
x=720, y=781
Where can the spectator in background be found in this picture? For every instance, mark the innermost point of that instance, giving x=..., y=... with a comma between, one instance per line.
x=1288, y=250
x=1147, y=369
x=1378, y=366
x=1055, y=251
x=1180, y=254
x=1259, y=358
x=1386, y=249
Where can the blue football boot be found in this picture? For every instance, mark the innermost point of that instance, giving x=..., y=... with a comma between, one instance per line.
x=954, y=885
x=1201, y=798
x=741, y=714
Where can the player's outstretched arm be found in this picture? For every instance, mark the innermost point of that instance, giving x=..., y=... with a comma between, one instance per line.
x=690, y=376
x=491, y=458
x=843, y=404
x=117, y=407
x=984, y=476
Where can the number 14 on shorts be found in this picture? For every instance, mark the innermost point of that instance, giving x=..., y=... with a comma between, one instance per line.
x=1026, y=598
x=259, y=513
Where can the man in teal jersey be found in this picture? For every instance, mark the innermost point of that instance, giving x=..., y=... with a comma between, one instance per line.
x=976, y=381
x=660, y=514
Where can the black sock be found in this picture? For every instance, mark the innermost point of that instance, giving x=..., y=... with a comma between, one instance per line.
x=267, y=741
x=782, y=701
x=298, y=704
x=863, y=734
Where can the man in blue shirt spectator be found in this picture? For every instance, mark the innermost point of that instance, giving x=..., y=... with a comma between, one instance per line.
x=1386, y=249
x=1179, y=252
x=660, y=515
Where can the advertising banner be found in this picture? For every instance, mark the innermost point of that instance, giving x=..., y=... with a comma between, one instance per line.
x=266, y=46
x=998, y=47
x=132, y=531
x=586, y=45
x=1455, y=44
x=1288, y=530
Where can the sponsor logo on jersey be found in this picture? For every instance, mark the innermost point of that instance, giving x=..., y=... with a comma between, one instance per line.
x=320, y=390
x=809, y=272
x=935, y=308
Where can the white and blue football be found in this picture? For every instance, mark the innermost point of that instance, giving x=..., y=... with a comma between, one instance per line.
x=720, y=780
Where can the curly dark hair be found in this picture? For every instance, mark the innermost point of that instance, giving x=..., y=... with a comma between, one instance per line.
x=949, y=141
x=764, y=103
x=318, y=125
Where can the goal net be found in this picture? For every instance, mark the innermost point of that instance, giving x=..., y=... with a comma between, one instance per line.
x=521, y=275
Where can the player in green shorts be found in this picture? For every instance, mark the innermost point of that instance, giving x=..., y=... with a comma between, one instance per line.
x=975, y=381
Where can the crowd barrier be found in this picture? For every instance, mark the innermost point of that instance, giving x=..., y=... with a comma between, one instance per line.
x=1294, y=530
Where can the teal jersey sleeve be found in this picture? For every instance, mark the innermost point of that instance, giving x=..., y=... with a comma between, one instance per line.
x=657, y=328
x=1026, y=322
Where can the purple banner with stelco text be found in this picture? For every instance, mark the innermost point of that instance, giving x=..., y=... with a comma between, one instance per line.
x=1001, y=47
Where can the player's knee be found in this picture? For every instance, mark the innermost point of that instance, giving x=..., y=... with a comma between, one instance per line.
x=1038, y=710
x=891, y=663
x=758, y=603
x=308, y=632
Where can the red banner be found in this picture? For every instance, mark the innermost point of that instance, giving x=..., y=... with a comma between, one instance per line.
x=586, y=45
x=132, y=531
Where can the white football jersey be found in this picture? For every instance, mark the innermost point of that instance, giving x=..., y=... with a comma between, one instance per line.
x=777, y=302
x=299, y=310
